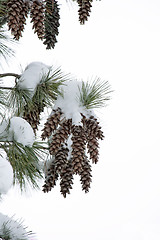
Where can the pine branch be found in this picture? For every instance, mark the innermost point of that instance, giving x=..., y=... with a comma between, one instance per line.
x=10, y=75
x=95, y=94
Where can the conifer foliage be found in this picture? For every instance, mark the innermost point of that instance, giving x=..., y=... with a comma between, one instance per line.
x=45, y=17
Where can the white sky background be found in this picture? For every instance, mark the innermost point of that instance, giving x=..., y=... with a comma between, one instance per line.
x=119, y=43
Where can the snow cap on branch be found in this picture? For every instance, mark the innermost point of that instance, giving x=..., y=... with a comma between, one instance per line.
x=32, y=75
x=21, y=131
x=6, y=175
x=69, y=102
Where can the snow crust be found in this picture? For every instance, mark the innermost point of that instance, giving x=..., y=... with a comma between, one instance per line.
x=69, y=102
x=32, y=75
x=6, y=175
x=17, y=230
x=21, y=131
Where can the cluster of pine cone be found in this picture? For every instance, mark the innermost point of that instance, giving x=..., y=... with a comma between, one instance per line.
x=44, y=16
x=67, y=145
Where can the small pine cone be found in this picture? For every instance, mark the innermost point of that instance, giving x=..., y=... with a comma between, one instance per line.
x=37, y=17
x=93, y=128
x=61, y=159
x=32, y=116
x=50, y=178
x=78, y=148
x=51, y=124
x=84, y=10
x=15, y=17
x=66, y=179
x=52, y=18
x=60, y=136
x=86, y=177
x=93, y=146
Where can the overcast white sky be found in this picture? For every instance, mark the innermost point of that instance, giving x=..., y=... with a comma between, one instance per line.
x=120, y=43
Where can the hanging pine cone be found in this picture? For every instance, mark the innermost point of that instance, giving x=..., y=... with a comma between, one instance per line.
x=32, y=115
x=52, y=18
x=66, y=179
x=86, y=177
x=93, y=146
x=60, y=136
x=61, y=159
x=51, y=177
x=51, y=124
x=17, y=12
x=78, y=148
x=37, y=17
x=84, y=10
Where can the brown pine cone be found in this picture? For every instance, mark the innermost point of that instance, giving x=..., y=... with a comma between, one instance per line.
x=61, y=159
x=60, y=136
x=86, y=177
x=78, y=148
x=66, y=179
x=93, y=128
x=93, y=146
x=37, y=17
x=50, y=178
x=51, y=124
x=16, y=17
x=84, y=10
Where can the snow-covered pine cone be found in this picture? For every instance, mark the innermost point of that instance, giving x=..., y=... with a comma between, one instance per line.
x=51, y=124
x=37, y=17
x=86, y=177
x=32, y=116
x=66, y=179
x=17, y=12
x=78, y=148
x=60, y=136
x=84, y=10
x=61, y=159
x=52, y=18
x=50, y=178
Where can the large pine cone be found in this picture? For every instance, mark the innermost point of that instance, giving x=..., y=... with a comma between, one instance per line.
x=86, y=177
x=52, y=18
x=37, y=17
x=17, y=13
x=66, y=179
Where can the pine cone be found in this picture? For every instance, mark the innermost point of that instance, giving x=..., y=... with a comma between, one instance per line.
x=50, y=178
x=60, y=136
x=78, y=148
x=51, y=124
x=61, y=159
x=84, y=10
x=16, y=17
x=66, y=179
x=93, y=146
x=52, y=18
x=37, y=17
x=86, y=175
x=92, y=127
x=32, y=116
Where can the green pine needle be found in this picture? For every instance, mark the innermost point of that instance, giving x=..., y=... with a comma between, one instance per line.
x=25, y=163
x=16, y=99
x=94, y=94
x=49, y=87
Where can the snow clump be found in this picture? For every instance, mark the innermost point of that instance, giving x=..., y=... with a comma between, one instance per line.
x=32, y=75
x=6, y=175
x=21, y=131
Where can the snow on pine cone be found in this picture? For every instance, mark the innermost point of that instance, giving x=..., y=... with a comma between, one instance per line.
x=51, y=23
x=16, y=17
x=84, y=10
x=67, y=144
x=37, y=17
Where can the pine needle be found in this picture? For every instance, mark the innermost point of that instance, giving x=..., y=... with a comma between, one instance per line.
x=95, y=94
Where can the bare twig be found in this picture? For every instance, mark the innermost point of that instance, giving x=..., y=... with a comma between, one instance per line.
x=10, y=75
